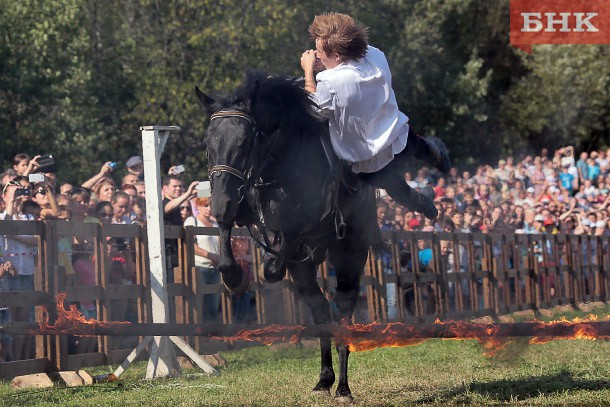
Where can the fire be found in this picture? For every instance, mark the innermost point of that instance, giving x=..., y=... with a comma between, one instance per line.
x=268, y=335
x=492, y=337
x=71, y=321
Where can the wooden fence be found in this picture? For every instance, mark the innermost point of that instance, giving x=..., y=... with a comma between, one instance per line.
x=422, y=277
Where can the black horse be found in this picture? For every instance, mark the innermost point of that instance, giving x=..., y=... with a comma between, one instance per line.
x=273, y=169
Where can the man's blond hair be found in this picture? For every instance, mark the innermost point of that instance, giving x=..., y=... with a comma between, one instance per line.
x=340, y=34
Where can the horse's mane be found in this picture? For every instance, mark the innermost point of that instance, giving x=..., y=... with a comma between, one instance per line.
x=276, y=95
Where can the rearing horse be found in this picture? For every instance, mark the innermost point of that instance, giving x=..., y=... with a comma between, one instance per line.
x=272, y=167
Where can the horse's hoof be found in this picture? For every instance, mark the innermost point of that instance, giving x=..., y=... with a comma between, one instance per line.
x=344, y=399
x=269, y=273
x=237, y=286
x=321, y=392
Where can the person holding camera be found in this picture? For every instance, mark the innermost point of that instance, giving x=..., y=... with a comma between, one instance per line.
x=22, y=249
x=104, y=173
x=7, y=273
x=174, y=195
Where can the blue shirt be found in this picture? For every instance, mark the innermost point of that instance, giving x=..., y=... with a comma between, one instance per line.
x=593, y=172
x=566, y=180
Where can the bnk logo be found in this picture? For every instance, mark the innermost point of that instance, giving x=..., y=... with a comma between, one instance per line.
x=559, y=22
x=567, y=22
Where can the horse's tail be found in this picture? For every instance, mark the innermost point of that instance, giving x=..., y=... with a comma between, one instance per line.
x=378, y=245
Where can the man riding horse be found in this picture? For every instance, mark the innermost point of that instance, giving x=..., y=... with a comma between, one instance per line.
x=354, y=93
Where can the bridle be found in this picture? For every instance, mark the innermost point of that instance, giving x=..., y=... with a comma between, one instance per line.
x=218, y=169
x=250, y=176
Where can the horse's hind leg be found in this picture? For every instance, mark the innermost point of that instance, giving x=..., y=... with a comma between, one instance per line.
x=304, y=277
x=348, y=267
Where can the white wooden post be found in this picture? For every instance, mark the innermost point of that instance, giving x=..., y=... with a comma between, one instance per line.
x=163, y=361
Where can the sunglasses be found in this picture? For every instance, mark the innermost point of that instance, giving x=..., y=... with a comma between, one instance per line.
x=185, y=208
x=10, y=184
x=41, y=192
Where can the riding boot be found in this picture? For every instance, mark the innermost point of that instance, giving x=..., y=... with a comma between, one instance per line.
x=401, y=192
x=430, y=149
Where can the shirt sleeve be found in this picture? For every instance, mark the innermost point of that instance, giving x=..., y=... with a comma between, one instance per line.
x=324, y=100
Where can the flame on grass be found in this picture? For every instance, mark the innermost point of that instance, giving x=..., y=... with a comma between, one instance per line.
x=71, y=321
x=267, y=335
x=363, y=337
x=582, y=330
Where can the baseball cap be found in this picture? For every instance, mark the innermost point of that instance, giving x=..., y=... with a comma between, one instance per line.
x=539, y=218
x=133, y=161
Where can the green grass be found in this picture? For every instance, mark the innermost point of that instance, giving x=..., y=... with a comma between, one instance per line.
x=434, y=373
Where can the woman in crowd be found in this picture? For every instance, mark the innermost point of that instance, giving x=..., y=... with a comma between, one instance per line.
x=206, y=255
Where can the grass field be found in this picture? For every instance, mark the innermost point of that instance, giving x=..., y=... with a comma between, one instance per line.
x=436, y=372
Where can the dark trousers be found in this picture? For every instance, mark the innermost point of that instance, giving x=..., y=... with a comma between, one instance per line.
x=391, y=177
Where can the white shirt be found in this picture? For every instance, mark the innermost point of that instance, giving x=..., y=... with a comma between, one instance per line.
x=206, y=242
x=366, y=127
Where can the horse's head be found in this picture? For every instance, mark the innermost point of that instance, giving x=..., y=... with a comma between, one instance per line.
x=229, y=142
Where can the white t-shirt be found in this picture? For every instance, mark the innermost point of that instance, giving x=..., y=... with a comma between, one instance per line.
x=206, y=242
x=366, y=127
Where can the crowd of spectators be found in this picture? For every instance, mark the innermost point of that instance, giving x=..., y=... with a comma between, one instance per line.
x=558, y=193
x=31, y=191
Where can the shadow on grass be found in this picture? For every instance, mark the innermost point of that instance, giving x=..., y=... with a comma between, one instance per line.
x=519, y=389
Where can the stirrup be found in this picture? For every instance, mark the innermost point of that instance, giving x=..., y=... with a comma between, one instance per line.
x=339, y=225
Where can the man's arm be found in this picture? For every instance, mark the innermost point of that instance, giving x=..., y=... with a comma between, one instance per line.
x=308, y=60
x=174, y=203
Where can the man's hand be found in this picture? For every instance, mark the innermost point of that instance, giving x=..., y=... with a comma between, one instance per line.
x=308, y=60
x=191, y=192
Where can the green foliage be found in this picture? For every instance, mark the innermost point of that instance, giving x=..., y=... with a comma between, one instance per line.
x=78, y=77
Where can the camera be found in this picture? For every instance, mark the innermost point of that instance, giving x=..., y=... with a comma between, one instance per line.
x=22, y=192
x=113, y=165
x=178, y=169
x=204, y=189
x=46, y=163
x=34, y=178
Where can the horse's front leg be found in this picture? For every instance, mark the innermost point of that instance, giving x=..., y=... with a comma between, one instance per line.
x=233, y=276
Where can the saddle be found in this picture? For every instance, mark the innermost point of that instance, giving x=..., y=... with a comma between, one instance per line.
x=342, y=175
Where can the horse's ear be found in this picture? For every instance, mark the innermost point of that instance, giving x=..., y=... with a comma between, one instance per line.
x=204, y=99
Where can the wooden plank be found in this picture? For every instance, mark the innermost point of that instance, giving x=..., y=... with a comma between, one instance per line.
x=22, y=298
x=21, y=227
x=9, y=370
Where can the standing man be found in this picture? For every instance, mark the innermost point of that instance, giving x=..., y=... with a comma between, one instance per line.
x=174, y=194
x=354, y=93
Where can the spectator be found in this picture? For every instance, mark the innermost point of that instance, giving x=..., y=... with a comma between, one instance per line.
x=104, y=190
x=206, y=256
x=135, y=166
x=22, y=249
x=120, y=207
x=174, y=194
x=20, y=163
